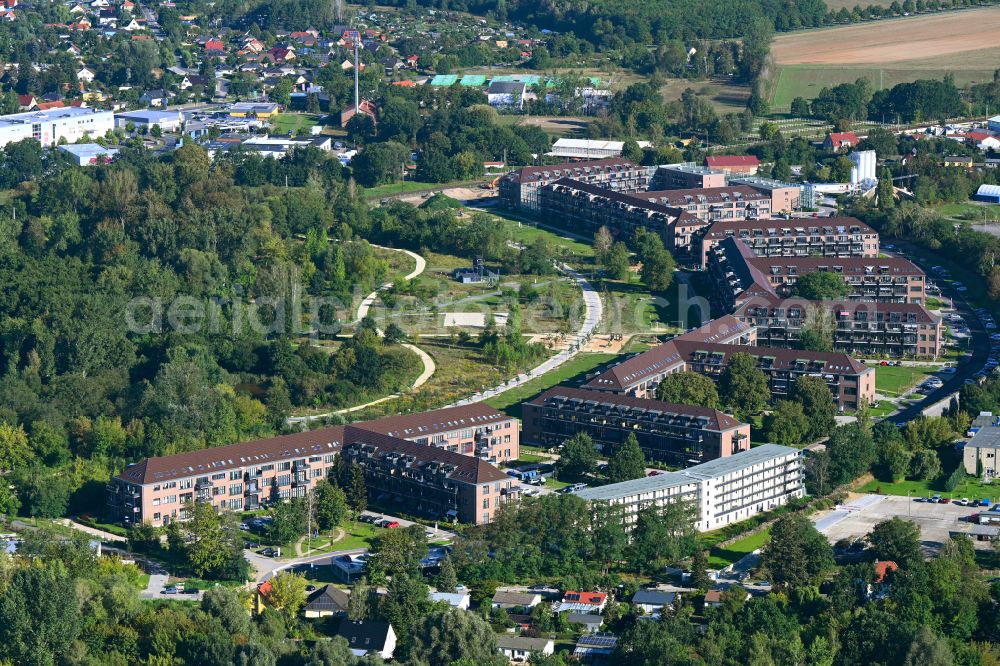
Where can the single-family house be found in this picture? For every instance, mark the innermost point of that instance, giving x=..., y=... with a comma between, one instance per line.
x=26, y=103
x=133, y=24
x=840, y=140
x=590, y=622
x=652, y=602
x=582, y=602
x=713, y=598
x=518, y=649
x=85, y=74
x=879, y=585
x=507, y=600
x=215, y=47
x=595, y=648
x=327, y=601
x=365, y=107
x=369, y=637
x=453, y=599
x=961, y=161
x=155, y=98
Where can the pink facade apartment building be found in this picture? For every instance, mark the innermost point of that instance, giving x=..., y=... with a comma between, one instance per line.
x=250, y=475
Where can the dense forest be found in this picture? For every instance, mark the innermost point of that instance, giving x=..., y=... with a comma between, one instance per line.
x=166, y=303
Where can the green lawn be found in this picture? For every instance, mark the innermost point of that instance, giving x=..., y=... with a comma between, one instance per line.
x=292, y=122
x=359, y=535
x=574, y=369
x=527, y=459
x=724, y=556
x=971, y=487
x=882, y=409
x=554, y=483
x=893, y=380
x=565, y=247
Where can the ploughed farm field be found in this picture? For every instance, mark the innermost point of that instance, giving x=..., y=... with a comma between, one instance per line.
x=887, y=52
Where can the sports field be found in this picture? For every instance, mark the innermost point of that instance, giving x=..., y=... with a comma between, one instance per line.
x=887, y=52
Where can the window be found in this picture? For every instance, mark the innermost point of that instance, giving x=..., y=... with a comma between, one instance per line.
x=315, y=473
x=236, y=489
x=218, y=477
x=285, y=466
x=186, y=483
x=236, y=504
x=486, y=490
x=486, y=503
x=328, y=459
x=267, y=468
x=235, y=475
x=284, y=479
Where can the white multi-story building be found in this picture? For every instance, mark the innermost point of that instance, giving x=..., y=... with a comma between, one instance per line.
x=49, y=127
x=723, y=491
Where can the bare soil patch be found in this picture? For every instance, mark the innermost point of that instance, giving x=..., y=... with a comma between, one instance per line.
x=918, y=38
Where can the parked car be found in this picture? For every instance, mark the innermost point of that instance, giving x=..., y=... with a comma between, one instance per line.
x=266, y=552
x=945, y=500
x=935, y=499
x=390, y=524
x=962, y=502
x=169, y=590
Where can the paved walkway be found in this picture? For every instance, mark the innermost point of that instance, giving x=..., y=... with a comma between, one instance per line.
x=100, y=534
x=366, y=304
x=591, y=320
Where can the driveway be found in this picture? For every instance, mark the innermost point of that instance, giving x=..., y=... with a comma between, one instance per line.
x=158, y=583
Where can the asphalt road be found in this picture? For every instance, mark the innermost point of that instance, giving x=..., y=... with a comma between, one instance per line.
x=979, y=346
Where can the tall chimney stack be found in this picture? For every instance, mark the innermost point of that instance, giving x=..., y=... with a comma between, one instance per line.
x=357, y=67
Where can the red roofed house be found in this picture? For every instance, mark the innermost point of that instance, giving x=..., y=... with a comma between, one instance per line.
x=743, y=165
x=838, y=140
x=879, y=588
x=215, y=46
x=26, y=102
x=594, y=601
x=403, y=84
x=366, y=108
x=45, y=106
x=882, y=570
x=412, y=60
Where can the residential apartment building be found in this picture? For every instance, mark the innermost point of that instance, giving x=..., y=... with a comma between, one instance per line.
x=428, y=480
x=250, y=475
x=722, y=492
x=53, y=125
x=785, y=197
x=738, y=274
x=520, y=188
x=472, y=430
x=586, y=208
x=686, y=176
x=715, y=204
x=828, y=237
x=678, y=435
x=878, y=279
x=859, y=328
x=980, y=454
x=850, y=381
x=639, y=375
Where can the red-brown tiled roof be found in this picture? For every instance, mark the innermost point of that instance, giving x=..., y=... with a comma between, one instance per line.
x=553, y=172
x=724, y=228
x=729, y=161
x=715, y=419
x=423, y=424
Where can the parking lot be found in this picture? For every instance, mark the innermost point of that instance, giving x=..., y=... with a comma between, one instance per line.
x=936, y=521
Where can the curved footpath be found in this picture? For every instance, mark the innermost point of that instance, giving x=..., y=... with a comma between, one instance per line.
x=366, y=304
x=591, y=320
